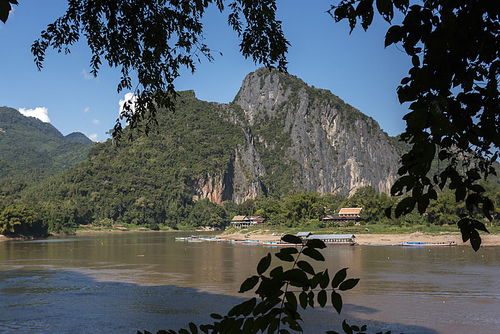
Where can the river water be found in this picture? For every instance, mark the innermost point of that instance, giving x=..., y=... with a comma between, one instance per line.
x=121, y=283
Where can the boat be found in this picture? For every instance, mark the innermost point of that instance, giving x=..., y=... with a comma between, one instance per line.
x=335, y=239
x=417, y=243
x=279, y=243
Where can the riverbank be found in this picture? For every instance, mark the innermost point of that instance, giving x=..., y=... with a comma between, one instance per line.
x=362, y=239
x=378, y=239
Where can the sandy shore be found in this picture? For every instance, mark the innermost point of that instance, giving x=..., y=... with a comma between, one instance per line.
x=362, y=239
x=382, y=239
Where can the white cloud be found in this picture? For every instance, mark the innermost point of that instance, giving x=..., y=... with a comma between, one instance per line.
x=93, y=137
x=86, y=110
x=41, y=113
x=96, y=121
x=86, y=75
x=129, y=97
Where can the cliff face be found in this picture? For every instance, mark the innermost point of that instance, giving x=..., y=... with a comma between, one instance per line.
x=298, y=138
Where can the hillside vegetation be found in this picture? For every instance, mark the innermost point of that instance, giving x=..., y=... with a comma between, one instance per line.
x=281, y=150
x=31, y=150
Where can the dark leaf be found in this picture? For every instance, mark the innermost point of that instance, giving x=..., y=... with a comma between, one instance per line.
x=388, y=212
x=475, y=240
x=339, y=277
x=193, y=328
x=292, y=239
x=216, y=316
x=289, y=250
x=348, y=284
x=472, y=200
x=393, y=35
x=479, y=226
x=292, y=323
x=296, y=277
x=463, y=225
x=249, y=306
x=248, y=326
x=347, y=329
x=325, y=280
x=385, y=9
x=304, y=265
x=337, y=301
x=322, y=298
x=290, y=297
x=405, y=206
x=4, y=11
x=415, y=61
x=487, y=208
x=310, y=297
x=276, y=272
x=315, y=243
x=303, y=299
x=264, y=264
x=285, y=257
x=460, y=193
x=249, y=284
x=313, y=254
x=313, y=282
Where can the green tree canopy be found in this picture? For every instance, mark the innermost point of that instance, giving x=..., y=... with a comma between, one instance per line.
x=453, y=93
x=154, y=39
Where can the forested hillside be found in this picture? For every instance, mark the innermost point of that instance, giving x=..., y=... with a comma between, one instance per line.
x=31, y=150
x=281, y=149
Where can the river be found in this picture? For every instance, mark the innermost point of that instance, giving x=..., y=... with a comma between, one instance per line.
x=121, y=283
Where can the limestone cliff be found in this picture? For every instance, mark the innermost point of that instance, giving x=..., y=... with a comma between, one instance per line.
x=297, y=137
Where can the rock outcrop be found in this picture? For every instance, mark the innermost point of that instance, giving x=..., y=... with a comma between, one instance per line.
x=299, y=138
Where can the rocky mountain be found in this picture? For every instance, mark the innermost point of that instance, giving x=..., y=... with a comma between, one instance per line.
x=279, y=135
x=31, y=150
x=298, y=137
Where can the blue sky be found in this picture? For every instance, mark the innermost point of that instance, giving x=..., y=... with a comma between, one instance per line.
x=355, y=67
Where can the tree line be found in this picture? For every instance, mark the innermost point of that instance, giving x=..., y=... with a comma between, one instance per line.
x=21, y=217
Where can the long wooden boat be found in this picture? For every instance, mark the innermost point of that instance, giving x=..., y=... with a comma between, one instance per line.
x=417, y=243
x=335, y=239
x=279, y=244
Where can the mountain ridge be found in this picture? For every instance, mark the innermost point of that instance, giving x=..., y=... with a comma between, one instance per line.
x=324, y=145
x=278, y=136
x=31, y=150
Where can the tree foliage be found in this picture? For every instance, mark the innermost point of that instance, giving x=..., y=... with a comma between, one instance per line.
x=453, y=93
x=5, y=7
x=31, y=150
x=154, y=39
x=18, y=219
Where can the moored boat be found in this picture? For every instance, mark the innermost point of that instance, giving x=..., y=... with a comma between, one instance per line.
x=417, y=243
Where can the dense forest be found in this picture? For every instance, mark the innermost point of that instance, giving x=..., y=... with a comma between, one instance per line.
x=148, y=181
x=31, y=150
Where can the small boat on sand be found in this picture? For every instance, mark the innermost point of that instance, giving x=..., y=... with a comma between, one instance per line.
x=416, y=243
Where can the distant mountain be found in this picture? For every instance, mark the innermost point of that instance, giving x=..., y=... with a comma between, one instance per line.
x=31, y=150
x=279, y=135
x=78, y=137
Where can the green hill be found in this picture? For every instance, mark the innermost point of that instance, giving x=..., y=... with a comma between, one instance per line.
x=31, y=150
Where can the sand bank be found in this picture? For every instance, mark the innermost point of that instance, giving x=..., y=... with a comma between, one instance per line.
x=362, y=239
x=382, y=239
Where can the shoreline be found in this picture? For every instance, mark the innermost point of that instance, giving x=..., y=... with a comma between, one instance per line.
x=488, y=240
